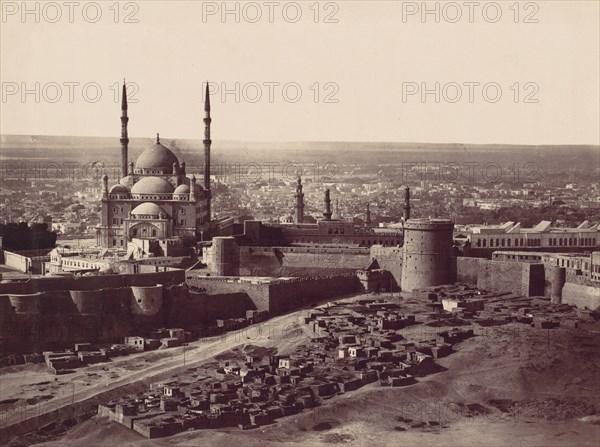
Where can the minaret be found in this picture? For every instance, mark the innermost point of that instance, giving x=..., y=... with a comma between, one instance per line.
x=105, y=186
x=193, y=189
x=336, y=210
x=124, y=137
x=406, y=203
x=299, y=202
x=368, y=220
x=207, y=143
x=327, y=201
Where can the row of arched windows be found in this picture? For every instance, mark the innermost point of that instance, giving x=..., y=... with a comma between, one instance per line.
x=535, y=242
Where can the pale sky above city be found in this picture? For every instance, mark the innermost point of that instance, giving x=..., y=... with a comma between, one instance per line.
x=370, y=62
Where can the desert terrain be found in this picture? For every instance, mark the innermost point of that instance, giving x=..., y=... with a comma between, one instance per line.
x=512, y=384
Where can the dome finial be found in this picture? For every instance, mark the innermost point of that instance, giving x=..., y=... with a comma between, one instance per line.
x=157, y=138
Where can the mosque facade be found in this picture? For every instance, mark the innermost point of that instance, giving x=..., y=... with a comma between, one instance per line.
x=155, y=199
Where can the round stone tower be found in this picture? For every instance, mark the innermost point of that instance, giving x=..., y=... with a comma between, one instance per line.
x=226, y=257
x=426, y=255
x=558, y=281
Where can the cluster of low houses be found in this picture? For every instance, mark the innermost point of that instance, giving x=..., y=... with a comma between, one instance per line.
x=83, y=354
x=463, y=301
x=352, y=345
x=65, y=361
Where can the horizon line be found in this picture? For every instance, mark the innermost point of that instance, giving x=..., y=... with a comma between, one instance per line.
x=2, y=135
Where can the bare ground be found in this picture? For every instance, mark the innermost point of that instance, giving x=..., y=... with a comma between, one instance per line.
x=513, y=385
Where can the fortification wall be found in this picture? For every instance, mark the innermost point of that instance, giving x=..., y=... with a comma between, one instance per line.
x=467, y=269
x=54, y=319
x=146, y=300
x=511, y=277
x=49, y=283
x=6, y=308
x=187, y=308
x=551, y=274
x=534, y=277
x=390, y=259
x=260, y=261
x=26, y=304
x=87, y=302
x=580, y=295
x=226, y=256
x=274, y=296
x=301, y=291
x=317, y=262
x=258, y=293
x=300, y=261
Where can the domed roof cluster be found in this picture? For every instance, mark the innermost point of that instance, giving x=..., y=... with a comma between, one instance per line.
x=152, y=185
x=157, y=157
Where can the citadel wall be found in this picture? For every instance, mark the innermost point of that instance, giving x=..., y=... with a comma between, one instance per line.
x=467, y=269
x=227, y=258
x=390, y=259
x=581, y=295
x=530, y=279
x=511, y=277
x=298, y=292
x=34, y=322
x=277, y=296
x=48, y=283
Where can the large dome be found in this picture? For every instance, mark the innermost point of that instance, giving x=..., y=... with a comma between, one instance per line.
x=148, y=209
x=152, y=185
x=156, y=157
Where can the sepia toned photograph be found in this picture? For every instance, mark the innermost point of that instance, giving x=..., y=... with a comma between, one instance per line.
x=314, y=223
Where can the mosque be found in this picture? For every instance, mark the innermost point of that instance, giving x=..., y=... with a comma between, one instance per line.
x=155, y=200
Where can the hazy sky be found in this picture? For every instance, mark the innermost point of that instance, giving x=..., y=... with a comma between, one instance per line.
x=355, y=75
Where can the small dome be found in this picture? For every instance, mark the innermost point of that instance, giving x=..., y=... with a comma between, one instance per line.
x=126, y=181
x=157, y=157
x=119, y=189
x=148, y=208
x=152, y=185
x=182, y=189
